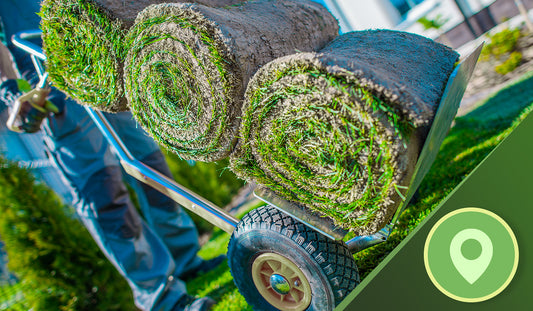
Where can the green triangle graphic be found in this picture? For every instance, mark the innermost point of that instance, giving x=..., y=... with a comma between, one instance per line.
x=501, y=184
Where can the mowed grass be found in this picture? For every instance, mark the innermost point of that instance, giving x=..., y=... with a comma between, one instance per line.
x=472, y=138
x=12, y=297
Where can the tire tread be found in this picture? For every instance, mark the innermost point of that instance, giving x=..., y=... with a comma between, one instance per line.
x=333, y=257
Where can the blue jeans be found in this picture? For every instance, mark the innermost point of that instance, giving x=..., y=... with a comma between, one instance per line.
x=148, y=252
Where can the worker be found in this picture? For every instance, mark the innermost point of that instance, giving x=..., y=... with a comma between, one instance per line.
x=154, y=255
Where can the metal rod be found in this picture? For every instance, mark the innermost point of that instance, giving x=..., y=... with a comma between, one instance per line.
x=38, y=66
x=362, y=242
x=109, y=133
x=167, y=186
x=20, y=40
x=321, y=224
x=523, y=11
x=339, y=14
x=467, y=21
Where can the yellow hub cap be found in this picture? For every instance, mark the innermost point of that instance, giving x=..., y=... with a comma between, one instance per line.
x=281, y=282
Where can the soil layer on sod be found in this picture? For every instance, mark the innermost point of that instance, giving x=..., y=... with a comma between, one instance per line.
x=340, y=131
x=188, y=66
x=84, y=41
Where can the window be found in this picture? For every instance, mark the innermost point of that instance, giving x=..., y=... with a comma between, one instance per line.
x=404, y=6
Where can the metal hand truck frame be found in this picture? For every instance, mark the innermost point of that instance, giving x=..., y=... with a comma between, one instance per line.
x=281, y=255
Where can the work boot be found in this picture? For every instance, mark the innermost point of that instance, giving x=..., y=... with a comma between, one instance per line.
x=189, y=303
x=203, y=268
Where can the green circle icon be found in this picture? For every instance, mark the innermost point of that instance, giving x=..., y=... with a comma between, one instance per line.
x=471, y=254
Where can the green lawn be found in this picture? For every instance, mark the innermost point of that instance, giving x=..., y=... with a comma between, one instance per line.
x=467, y=144
x=12, y=298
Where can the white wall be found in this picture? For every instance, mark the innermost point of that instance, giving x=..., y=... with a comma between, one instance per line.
x=474, y=6
x=446, y=9
x=367, y=14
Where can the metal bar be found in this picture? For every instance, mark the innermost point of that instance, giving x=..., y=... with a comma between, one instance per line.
x=132, y=166
x=450, y=101
x=466, y=20
x=362, y=242
x=20, y=40
x=324, y=225
x=523, y=11
x=38, y=66
x=167, y=186
x=181, y=195
x=338, y=12
x=109, y=133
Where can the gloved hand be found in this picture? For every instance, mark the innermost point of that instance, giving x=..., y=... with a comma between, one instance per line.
x=28, y=107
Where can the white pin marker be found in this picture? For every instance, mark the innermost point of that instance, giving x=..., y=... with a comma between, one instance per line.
x=471, y=269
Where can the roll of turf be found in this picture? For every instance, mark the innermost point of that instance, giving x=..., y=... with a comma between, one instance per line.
x=339, y=131
x=85, y=47
x=188, y=66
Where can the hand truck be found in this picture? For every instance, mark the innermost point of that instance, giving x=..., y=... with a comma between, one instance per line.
x=281, y=255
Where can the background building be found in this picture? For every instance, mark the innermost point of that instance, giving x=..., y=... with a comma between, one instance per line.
x=460, y=20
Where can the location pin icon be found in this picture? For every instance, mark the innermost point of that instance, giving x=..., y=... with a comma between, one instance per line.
x=471, y=269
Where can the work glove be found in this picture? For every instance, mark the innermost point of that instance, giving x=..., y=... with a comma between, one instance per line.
x=28, y=107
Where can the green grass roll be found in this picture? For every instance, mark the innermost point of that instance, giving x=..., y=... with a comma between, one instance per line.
x=84, y=41
x=188, y=66
x=340, y=131
x=83, y=44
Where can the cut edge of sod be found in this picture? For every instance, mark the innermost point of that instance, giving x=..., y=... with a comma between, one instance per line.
x=379, y=189
x=161, y=109
x=85, y=52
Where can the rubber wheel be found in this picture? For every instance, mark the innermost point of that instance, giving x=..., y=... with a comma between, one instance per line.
x=280, y=264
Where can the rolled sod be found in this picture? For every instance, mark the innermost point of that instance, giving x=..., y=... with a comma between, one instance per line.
x=188, y=66
x=339, y=131
x=85, y=47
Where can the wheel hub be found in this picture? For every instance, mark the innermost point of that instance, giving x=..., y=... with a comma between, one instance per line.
x=281, y=282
